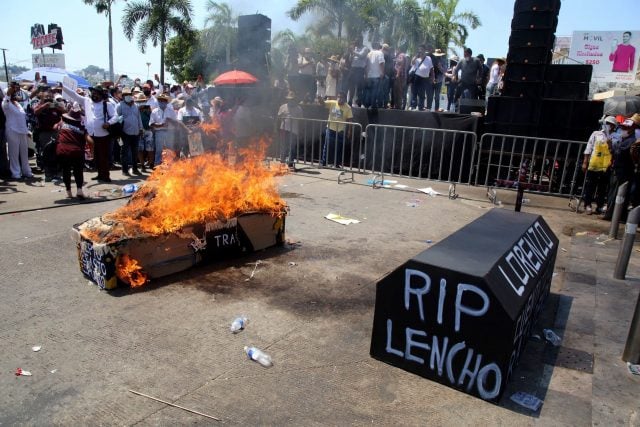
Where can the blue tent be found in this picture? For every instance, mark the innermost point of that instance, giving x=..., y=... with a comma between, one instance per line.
x=54, y=76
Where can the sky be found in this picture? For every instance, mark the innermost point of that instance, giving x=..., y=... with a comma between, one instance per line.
x=86, y=41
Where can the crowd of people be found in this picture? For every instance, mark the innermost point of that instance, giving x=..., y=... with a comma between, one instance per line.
x=109, y=125
x=384, y=77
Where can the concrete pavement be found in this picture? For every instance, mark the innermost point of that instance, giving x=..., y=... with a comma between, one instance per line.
x=310, y=305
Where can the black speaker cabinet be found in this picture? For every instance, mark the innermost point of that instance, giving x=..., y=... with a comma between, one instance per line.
x=568, y=73
x=525, y=72
x=468, y=106
x=536, y=6
x=535, y=21
x=532, y=38
x=571, y=114
x=505, y=109
x=254, y=33
x=532, y=90
x=566, y=90
x=529, y=55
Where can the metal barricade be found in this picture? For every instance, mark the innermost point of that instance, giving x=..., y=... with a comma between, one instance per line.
x=436, y=154
x=549, y=166
x=302, y=141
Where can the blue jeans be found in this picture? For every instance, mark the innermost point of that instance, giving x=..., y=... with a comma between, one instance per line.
x=372, y=93
x=333, y=143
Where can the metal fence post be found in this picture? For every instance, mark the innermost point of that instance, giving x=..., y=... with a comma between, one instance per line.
x=617, y=210
x=627, y=243
x=631, y=352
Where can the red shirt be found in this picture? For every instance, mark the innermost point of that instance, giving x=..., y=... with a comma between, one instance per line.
x=70, y=140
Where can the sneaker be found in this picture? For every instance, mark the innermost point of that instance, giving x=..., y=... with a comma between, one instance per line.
x=588, y=210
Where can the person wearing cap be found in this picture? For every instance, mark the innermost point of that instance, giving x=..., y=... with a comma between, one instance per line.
x=132, y=131
x=16, y=133
x=99, y=115
x=494, y=77
x=289, y=115
x=71, y=136
x=623, y=165
x=597, y=165
x=339, y=113
x=146, y=145
x=162, y=121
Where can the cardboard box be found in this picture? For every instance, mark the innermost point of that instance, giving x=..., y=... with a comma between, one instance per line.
x=173, y=252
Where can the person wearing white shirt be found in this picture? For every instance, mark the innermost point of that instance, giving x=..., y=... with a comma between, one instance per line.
x=423, y=68
x=494, y=77
x=17, y=134
x=189, y=114
x=374, y=70
x=162, y=122
x=99, y=115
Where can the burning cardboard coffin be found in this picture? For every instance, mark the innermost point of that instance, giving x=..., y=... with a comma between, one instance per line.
x=135, y=260
x=188, y=212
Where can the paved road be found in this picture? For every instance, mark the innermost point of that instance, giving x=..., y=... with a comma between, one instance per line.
x=171, y=339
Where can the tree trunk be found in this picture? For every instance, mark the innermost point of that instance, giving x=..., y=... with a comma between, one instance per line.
x=162, y=59
x=111, y=77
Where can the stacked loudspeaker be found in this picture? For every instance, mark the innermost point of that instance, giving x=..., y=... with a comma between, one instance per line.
x=538, y=98
x=254, y=45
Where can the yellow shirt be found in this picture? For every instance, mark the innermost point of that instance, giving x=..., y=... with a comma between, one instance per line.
x=338, y=113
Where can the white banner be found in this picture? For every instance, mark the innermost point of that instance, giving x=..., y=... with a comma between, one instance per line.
x=613, y=54
x=49, y=60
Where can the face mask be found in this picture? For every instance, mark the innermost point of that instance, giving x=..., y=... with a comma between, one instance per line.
x=128, y=98
x=625, y=133
x=146, y=92
x=96, y=98
x=162, y=105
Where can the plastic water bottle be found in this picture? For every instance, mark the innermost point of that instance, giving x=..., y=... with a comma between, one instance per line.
x=238, y=324
x=129, y=189
x=259, y=356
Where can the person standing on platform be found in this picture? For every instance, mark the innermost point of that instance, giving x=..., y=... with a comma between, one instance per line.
x=494, y=77
x=470, y=77
x=401, y=65
x=357, y=59
x=438, y=72
x=423, y=69
x=451, y=83
x=339, y=113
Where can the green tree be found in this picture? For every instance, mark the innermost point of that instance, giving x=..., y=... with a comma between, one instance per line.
x=222, y=31
x=444, y=27
x=338, y=12
x=104, y=6
x=155, y=21
x=182, y=57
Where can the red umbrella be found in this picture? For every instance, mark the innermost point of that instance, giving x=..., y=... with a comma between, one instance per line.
x=235, y=77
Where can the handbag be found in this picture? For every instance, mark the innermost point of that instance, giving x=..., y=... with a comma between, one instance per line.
x=412, y=73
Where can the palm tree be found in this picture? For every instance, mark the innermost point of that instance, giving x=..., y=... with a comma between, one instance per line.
x=443, y=26
x=155, y=21
x=104, y=6
x=222, y=30
x=338, y=11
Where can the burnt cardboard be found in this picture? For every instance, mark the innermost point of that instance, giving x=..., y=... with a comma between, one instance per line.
x=460, y=312
x=173, y=252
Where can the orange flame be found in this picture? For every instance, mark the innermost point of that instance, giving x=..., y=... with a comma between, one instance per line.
x=200, y=189
x=210, y=128
x=129, y=271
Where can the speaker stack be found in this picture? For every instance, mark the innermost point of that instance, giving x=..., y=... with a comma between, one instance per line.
x=540, y=98
x=254, y=45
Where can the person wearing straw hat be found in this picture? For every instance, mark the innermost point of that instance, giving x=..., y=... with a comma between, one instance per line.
x=132, y=130
x=71, y=140
x=289, y=115
x=146, y=145
x=437, y=58
x=161, y=122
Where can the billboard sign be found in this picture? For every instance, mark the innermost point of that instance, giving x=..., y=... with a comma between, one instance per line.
x=48, y=60
x=613, y=54
x=52, y=38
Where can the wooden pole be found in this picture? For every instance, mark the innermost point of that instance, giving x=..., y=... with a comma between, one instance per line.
x=174, y=405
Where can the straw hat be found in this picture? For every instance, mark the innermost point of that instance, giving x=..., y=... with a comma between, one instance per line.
x=438, y=52
x=140, y=97
x=162, y=97
x=333, y=58
x=635, y=119
x=290, y=95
